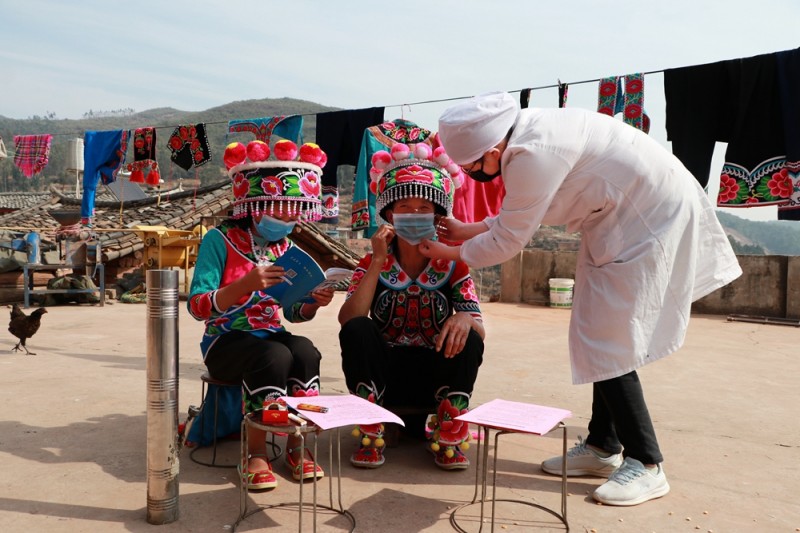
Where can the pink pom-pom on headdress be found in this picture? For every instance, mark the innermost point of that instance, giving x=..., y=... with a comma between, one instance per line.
x=285, y=150
x=400, y=151
x=375, y=173
x=452, y=168
x=311, y=153
x=257, y=151
x=422, y=151
x=323, y=160
x=458, y=178
x=235, y=153
x=381, y=159
x=440, y=156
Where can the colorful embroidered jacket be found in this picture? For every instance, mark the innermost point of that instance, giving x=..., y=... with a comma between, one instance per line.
x=411, y=312
x=226, y=255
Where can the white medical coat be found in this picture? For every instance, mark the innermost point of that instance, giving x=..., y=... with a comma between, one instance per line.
x=650, y=241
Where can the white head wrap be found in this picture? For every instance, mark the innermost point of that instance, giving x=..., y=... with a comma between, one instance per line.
x=469, y=129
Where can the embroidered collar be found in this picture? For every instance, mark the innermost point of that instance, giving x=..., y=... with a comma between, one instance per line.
x=432, y=277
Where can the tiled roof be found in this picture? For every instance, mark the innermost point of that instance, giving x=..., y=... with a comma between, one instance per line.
x=21, y=200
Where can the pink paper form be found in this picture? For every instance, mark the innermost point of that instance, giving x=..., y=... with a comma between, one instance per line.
x=516, y=416
x=343, y=410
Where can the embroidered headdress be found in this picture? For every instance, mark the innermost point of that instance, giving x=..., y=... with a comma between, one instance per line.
x=292, y=179
x=414, y=172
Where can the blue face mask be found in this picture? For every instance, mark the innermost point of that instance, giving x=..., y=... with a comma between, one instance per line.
x=414, y=227
x=273, y=229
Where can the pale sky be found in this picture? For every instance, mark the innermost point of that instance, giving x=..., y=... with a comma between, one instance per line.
x=70, y=57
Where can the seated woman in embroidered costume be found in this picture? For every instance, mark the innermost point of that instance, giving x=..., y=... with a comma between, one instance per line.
x=412, y=333
x=244, y=338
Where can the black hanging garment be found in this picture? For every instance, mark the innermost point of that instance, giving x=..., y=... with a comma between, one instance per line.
x=339, y=134
x=789, y=90
x=737, y=102
x=524, y=98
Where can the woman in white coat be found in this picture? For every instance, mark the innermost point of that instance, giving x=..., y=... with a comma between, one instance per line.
x=650, y=246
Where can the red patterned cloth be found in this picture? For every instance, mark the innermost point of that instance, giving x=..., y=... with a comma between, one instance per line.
x=32, y=153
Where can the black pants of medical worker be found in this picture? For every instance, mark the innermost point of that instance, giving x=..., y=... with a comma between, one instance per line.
x=279, y=365
x=620, y=420
x=409, y=376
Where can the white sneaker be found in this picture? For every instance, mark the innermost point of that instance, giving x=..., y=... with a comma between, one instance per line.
x=583, y=461
x=632, y=484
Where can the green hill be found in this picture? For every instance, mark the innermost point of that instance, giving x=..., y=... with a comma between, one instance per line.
x=216, y=119
x=774, y=237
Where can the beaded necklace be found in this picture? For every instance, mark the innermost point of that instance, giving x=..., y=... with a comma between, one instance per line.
x=261, y=254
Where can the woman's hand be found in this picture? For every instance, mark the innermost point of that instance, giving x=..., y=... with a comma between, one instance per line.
x=380, y=243
x=322, y=297
x=454, y=334
x=262, y=277
x=438, y=250
x=451, y=229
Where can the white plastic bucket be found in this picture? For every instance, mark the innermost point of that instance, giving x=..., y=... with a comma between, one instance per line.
x=561, y=292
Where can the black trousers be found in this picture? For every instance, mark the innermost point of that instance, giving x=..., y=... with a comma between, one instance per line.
x=620, y=420
x=280, y=365
x=413, y=376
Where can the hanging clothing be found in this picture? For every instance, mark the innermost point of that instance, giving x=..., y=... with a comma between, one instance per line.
x=289, y=128
x=694, y=120
x=650, y=242
x=615, y=97
x=103, y=156
x=475, y=201
x=788, y=72
x=189, y=146
x=3, y=153
x=525, y=98
x=745, y=112
x=380, y=137
x=144, y=166
x=756, y=154
x=563, y=91
x=339, y=133
x=32, y=153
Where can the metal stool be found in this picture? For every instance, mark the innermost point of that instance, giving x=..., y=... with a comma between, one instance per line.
x=207, y=379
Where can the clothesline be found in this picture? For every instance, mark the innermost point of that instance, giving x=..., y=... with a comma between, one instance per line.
x=422, y=102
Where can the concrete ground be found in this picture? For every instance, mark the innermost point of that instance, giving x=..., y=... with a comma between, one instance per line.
x=73, y=434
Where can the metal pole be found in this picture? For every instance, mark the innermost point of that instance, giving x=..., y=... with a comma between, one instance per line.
x=162, y=396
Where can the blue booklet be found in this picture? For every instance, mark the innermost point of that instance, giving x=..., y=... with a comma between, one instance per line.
x=304, y=276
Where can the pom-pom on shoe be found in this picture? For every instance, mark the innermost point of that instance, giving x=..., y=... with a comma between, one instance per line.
x=450, y=458
x=370, y=452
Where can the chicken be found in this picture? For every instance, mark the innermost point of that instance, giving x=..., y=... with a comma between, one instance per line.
x=24, y=326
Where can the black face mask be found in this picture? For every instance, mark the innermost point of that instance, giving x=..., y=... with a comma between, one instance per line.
x=483, y=177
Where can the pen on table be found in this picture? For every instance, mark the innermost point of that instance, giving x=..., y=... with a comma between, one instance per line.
x=312, y=408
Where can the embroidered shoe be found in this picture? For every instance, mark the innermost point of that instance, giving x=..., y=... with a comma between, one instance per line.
x=370, y=451
x=456, y=461
x=632, y=484
x=583, y=461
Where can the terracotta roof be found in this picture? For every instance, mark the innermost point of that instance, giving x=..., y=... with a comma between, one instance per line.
x=176, y=210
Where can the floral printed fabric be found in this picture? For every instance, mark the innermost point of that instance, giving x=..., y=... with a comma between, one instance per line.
x=226, y=255
x=768, y=184
x=613, y=98
x=189, y=146
x=411, y=312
